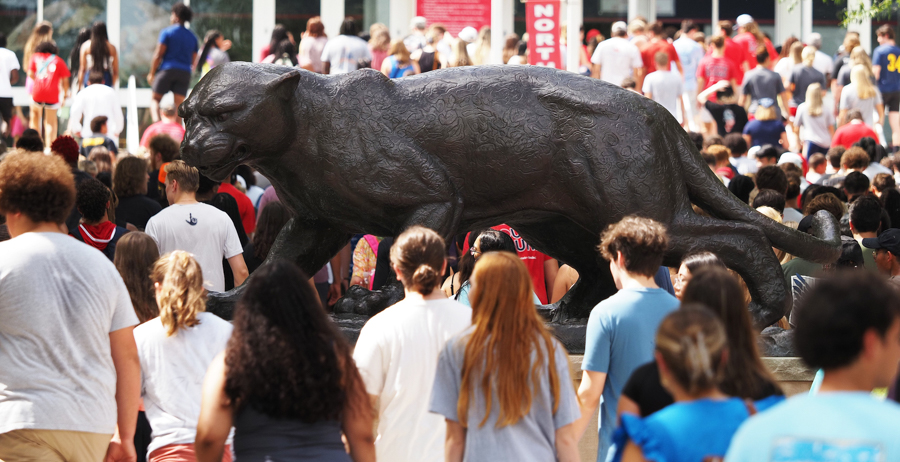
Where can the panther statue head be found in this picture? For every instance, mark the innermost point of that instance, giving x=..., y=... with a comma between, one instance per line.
x=237, y=114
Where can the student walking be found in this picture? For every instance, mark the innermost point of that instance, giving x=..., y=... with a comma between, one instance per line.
x=503, y=385
x=397, y=351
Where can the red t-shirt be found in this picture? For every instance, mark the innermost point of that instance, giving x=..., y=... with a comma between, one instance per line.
x=245, y=206
x=532, y=259
x=648, y=54
x=737, y=55
x=175, y=130
x=849, y=134
x=713, y=69
x=748, y=42
x=48, y=70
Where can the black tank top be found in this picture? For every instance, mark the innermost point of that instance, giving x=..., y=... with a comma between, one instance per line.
x=427, y=62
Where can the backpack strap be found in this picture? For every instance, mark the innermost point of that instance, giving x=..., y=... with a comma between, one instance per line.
x=751, y=408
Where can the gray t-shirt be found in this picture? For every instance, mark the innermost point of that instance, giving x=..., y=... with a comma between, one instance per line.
x=531, y=438
x=815, y=128
x=665, y=87
x=59, y=300
x=850, y=100
x=761, y=83
x=802, y=77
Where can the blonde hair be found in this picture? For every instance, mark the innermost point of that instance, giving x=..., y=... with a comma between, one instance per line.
x=808, y=55
x=42, y=32
x=188, y=177
x=692, y=343
x=770, y=212
x=796, y=52
x=482, y=53
x=505, y=353
x=180, y=294
x=765, y=113
x=399, y=50
x=860, y=78
x=814, y=99
x=459, y=56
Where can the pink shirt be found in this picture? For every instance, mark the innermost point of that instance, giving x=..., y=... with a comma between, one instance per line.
x=175, y=130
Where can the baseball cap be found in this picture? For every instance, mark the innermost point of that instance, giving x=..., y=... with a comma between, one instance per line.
x=419, y=22
x=619, y=26
x=167, y=101
x=743, y=20
x=468, y=34
x=888, y=240
x=791, y=158
x=591, y=34
x=805, y=224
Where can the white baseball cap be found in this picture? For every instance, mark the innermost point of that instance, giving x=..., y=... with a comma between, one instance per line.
x=743, y=20
x=419, y=22
x=468, y=34
x=790, y=158
x=619, y=26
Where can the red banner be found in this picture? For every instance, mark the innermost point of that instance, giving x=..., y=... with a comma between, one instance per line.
x=456, y=14
x=542, y=23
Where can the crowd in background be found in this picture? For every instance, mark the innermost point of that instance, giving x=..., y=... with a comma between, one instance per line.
x=107, y=260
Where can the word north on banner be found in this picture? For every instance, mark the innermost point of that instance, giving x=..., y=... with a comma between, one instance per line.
x=542, y=23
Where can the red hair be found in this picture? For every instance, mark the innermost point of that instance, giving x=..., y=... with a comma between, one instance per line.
x=67, y=148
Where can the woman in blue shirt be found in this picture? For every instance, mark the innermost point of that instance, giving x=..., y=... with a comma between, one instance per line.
x=691, y=351
x=766, y=127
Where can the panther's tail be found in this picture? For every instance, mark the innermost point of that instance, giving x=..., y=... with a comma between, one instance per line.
x=706, y=191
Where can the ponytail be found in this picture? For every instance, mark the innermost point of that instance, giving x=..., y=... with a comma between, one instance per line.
x=693, y=344
x=180, y=296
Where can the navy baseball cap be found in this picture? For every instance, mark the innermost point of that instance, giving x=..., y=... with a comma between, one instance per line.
x=888, y=240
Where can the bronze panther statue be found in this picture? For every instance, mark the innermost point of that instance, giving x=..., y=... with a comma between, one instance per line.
x=555, y=155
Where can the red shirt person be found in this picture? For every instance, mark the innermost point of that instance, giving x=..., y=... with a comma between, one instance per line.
x=733, y=51
x=749, y=39
x=659, y=44
x=848, y=134
x=541, y=267
x=716, y=67
x=245, y=206
x=168, y=125
x=48, y=70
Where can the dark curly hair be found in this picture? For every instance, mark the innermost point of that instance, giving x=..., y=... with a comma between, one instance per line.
x=165, y=146
x=285, y=357
x=41, y=187
x=91, y=199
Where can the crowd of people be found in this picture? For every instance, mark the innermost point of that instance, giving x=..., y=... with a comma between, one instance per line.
x=107, y=260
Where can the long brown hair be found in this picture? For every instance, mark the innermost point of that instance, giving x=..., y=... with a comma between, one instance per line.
x=135, y=254
x=130, y=177
x=499, y=350
x=745, y=376
x=511, y=47
x=42, y=32
x=181, y=294
x=399, y=50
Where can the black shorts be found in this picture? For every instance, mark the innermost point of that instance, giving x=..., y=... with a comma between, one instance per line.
x=6, y=106
x=174, y=80
x=891, y=101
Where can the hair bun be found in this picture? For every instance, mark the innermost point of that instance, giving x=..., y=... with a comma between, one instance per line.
x=425, y=278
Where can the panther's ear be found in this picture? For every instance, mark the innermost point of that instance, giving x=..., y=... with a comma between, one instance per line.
x=285, y=84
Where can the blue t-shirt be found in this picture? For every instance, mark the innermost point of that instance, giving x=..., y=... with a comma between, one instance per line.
x=621, y=333
x=887, y=56
x=181, y=44
x=764, y=132
x=688, y=431
x=833, y=426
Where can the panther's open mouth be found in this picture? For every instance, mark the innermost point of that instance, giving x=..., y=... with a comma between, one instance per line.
x=218, y=161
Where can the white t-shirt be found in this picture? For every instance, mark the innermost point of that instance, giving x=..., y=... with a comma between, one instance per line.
x=344, y=53
x=785, y=67
x=201, y=229
x=59, y=301
x=617, y=58
x=743, y=164
x=172, y=371
x=397, y=356
x=823, y=63
x=93, y=101
x=8, y=63
x=665, y=87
